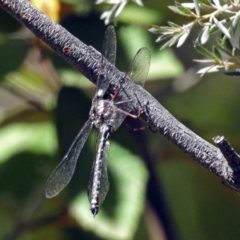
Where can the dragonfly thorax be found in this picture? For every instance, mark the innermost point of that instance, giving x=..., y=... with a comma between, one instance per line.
x=103, y=111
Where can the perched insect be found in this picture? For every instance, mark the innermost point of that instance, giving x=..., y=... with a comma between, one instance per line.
x=107, y=113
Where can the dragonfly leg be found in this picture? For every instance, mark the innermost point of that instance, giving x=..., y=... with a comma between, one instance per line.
x=136, y=129
x=142, y=110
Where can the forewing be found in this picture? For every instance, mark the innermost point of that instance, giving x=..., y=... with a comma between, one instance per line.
x=63, y=173
x=109, y=50
x=139, y=67
x=110, y=45
x=104, y=183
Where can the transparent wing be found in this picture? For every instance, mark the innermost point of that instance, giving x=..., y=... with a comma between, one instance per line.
x=104, y=183
x=110, y=45
x=109, y=50
x=137, y=72
x=139, y=67
x=63, y=173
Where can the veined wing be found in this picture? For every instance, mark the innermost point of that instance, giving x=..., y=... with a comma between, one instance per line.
x=98, y=184
x=109, y=50
x=137, y=72
x=63, y=173
x=139, y=67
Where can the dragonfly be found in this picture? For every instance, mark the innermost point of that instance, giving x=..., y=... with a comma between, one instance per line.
x=107, y=113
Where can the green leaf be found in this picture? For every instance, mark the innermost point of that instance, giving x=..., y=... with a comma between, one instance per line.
x=183, y=38
x=174, y=39
x=204, y=51
x=205, y=2
x=157, y=30
x=174, y=25
x=203, y=35
x=213, y=28
x=223, y=46
x=235, y=24
x=181, y=10
x=188, y=5
x=227, y=45
x=197, y=9
x=222, y=28
x=217, y=53
x=216, y=3
x=204, y=60
x=168, y=43
x=209, y=69
x=163, y=37
x=235, y=52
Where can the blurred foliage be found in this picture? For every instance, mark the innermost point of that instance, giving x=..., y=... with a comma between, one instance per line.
x=44, y=102
x=211, y=17
x=50, y=8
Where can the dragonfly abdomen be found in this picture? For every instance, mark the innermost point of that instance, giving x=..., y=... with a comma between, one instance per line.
x=95, y=196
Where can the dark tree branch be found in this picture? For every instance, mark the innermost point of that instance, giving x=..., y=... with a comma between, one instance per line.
x=87, y=60
x=230, y=155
